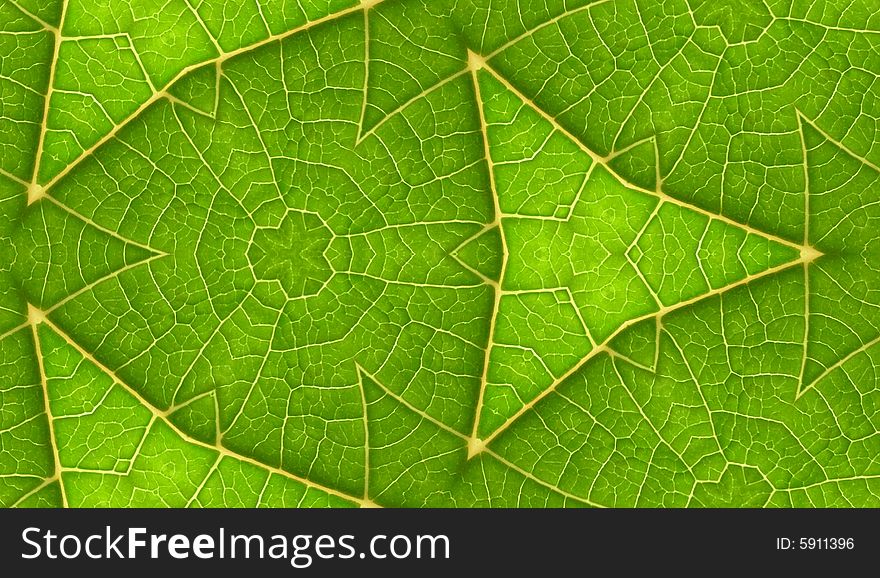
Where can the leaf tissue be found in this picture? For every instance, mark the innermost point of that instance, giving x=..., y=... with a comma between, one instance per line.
x=454, y=253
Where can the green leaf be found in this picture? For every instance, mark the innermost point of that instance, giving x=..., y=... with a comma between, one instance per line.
x=483, y=253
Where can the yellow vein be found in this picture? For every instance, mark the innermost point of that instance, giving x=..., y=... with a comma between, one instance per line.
x=466, y=439
x=107, y=277
x=412, y=100
x=604, y=162
x=64, y=207
x=838, y=364
x=183, y=72
x=543, y=25
x=178, y=406
x=35, y=317
x=660, y=437
x=366, y=69
x=806, y=265
x=455, y=255
x=837, y=143
x=12, y=177
x=35, y=191
x=44, y=484
x=361, y=374
x=830, y=481
x=475, y=62
x=137, y=57
x=34, y=17
x=208, y=340
x=204, y=26
x=141, y=443
x=693, y=376
x=807, y=254
x=183, y=435
x=603, y=347
x=541, y=482
x=218, y=78
x=259, y=135
x=204, y=481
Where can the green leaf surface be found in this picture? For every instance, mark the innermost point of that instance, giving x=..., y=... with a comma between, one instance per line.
x=466, y=253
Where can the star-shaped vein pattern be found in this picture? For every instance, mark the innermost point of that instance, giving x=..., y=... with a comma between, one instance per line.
x=484, y=253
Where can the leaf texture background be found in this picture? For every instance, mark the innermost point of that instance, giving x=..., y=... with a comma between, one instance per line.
x=454, y=253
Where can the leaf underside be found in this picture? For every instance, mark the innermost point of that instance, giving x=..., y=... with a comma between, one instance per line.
x=449, y=253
